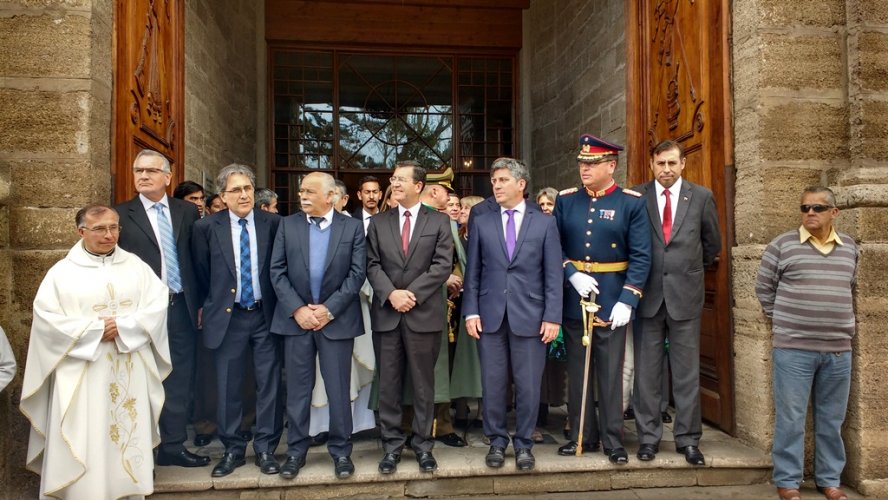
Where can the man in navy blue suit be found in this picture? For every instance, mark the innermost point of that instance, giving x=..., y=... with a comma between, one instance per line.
x=512, y=303
x=318, y=265
x=231, y=250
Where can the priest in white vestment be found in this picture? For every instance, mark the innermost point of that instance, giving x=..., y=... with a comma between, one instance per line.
x=97, y=357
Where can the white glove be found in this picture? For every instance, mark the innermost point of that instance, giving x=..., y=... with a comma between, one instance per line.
x=620, y=315
x=583, y=283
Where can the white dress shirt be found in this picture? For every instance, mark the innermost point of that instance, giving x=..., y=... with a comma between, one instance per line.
x=254, y=251
x=365, y=218
x=414, y=212
x=520, y=209
x=328, y=219
x=674, y=191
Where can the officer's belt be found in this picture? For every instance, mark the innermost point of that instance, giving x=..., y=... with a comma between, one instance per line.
x=600, y=267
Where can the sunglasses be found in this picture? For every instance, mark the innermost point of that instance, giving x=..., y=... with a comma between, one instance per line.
x=817, y=208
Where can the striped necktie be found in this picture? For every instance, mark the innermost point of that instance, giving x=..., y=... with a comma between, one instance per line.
x=246, y=267
x=168, y=247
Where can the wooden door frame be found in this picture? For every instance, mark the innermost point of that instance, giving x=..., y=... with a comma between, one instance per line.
x=638, y=151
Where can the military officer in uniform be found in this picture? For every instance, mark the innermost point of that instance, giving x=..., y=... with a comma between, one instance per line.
x=605, y=239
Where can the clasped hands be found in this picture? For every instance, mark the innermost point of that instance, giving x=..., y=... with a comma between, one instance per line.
x=110, y=332
x=548, y=331
x=402, y=300
x=312, y=316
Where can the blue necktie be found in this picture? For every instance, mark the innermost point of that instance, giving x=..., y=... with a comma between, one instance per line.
x=168, y=247
x=246, y=268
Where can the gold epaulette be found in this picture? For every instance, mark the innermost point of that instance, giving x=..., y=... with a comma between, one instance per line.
x=568, y=191
x=632, y=193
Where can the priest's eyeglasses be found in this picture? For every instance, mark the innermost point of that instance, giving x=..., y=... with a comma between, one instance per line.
x=103, y=229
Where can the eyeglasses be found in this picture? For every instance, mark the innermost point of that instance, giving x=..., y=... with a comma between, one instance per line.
x=816, y=208
x=103, y=229
x=402, y=180
x=149, y=171
x=242, y=189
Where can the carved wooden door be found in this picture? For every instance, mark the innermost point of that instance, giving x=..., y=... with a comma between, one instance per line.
x=149, y=87
x=678, y=89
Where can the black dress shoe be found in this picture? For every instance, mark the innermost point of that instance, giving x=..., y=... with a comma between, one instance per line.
x=666, y=417
x=629, y=414
x=692, y=455
x=343, y=467
x=182, y=459
x=226, y=466
x=570, y=449
x=201, y=440
x=320, y=438
x=389, y=463
x=647, y=452
x=267, y=463
x=524, y=459
x=426, y=461
x=291, y=466
x=452, y=439
x=496, y=457
x=617, y=456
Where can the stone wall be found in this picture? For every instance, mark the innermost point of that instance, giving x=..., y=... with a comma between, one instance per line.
x=810, y=94
x=574, y=76
x=221, y=85
x=55, y=122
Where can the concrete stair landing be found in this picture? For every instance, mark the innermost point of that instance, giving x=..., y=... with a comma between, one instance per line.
x=462, y=472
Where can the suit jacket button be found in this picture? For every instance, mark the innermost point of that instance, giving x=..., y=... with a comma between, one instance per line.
x=228, y=309
x=233, y=290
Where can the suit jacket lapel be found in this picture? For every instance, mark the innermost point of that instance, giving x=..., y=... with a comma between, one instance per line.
x=176, y=216
x=654, y=210
x=140, y=217
x=223, y=233
x=263, y=225
x=684, y=200
x=394, y=219
x=303, y=231
x=422, y=217
x=499, y=231
x=335, y=235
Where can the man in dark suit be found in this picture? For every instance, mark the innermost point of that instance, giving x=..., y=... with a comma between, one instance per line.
x=684, y=239
x=318, y=265
x=158, y=228
x=232, y=253
x=368, y=194
x=409, y=258
x=512, y=303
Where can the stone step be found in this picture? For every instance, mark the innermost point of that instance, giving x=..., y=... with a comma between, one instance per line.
x=462, y=472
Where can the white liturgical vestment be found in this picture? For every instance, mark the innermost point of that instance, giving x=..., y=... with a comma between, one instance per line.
x=94, y=405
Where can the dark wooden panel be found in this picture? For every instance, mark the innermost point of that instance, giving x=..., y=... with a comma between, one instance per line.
x=393, y=24
x=149, y=87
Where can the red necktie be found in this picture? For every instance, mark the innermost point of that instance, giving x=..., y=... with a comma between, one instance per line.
x=667, y=217
x=405, y=233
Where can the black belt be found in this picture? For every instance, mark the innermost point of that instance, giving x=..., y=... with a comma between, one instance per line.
x=255, y=307
x=174, y=296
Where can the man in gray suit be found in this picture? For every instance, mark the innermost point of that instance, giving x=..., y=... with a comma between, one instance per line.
x=409, y=258
x=684, y=239
x=317, y=269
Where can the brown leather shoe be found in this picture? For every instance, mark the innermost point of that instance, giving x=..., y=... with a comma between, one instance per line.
x=833, y=493
x=789, y=494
